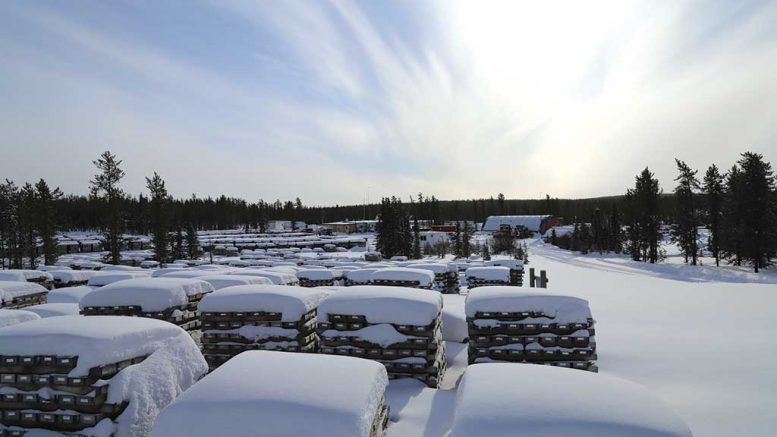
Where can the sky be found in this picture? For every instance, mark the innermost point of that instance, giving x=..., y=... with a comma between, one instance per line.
x=338, y=102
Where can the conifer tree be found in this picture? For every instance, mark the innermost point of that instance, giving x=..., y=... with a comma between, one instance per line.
x=615, y=235
x=598, y=232
x=465, y=237
x=9, y=226
x=732, y=229
x=27, y=234
x=105, y=186
x=574, y=243
x=685, y=232
x=159, y=218
x=644, y=218
x=178, y=251
x=46, y=220
x=192, y=242
x=457, y=240
x=584, y=238
x=416, y=239
x=759, y=213
x=713, y=190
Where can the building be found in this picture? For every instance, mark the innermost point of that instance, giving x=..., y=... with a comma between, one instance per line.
x=534, y=223
x=433, y=237
x=351, y=227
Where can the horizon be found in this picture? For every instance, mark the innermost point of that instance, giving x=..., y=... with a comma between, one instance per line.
x=458, y=99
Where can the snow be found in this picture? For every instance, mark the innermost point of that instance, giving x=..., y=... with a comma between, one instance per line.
x=54, y=309
x=383, y=334
x=319, y=274
x=653, y=328
x=278, y=278
x=424, y=277
x=509, y=263
x=489, y=273
x=437, y=269
x=360, y=275
x=506, y=399
x=104, y=278
x=119, y=268
x=263, y=393
x=68, y=276
x=159, y=272
x=291, y=301
x=151, y=294
x=154, y=383
x=69, y=294
x=96, y=340
x=24, y=275
x=563, y=309
x=454, y=324
x=12, y=289
x=10, y=317
x=222, y=281
x=194, y=274
x=398, y=305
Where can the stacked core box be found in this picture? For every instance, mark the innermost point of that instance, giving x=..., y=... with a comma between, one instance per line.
x=173, y=300
x=319, y=277
x=65, y=373
x=20, y=294
x=271, y=394
x=487, y=276
x=398, y=327
x=446, y=278
x=508, y=324
x=403, y=277
x=258, y=317
x=515, y=266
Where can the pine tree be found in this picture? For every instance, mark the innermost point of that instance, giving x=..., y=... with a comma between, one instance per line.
x=553, y=237
x=46, y=220
x=644, y=218
x=406, y=231
x=385, y=232
x=759, y=212
x=615, y=234
x=713, y=190
x=27, y=234
x=9, y=225
x=416, y=239
x=574, y=244
x=501, y=201
x=598, y=232
x=159, y=218
x=178, y=252
x=685, y=232
x=466, y=236
x=584, y=238
x=457, y=249
x=192, y=242
x=105, y=186
x=732, y=224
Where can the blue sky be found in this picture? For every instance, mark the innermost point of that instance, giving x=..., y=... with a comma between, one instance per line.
x=328, y=100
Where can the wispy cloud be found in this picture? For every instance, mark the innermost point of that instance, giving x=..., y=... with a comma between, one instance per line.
x=524, y=98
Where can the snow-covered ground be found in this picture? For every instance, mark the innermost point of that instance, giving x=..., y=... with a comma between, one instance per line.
x=698, y=337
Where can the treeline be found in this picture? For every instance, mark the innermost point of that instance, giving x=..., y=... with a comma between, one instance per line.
x=76, y=212
x=398, y=234
x=28, y=224
x=738, y=208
